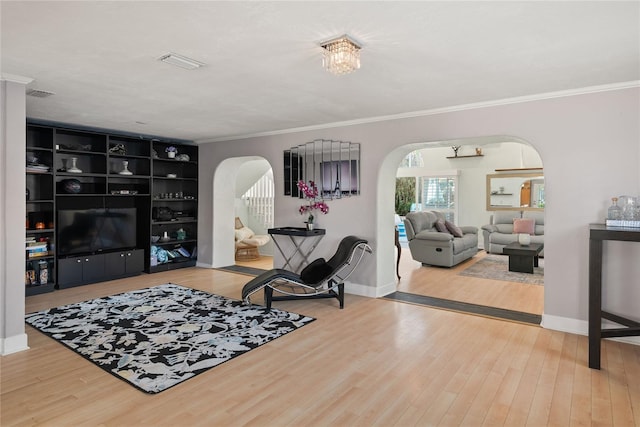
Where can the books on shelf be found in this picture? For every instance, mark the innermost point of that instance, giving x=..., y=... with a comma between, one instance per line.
x=35, y=168
x=36, y=249
x=37, y=254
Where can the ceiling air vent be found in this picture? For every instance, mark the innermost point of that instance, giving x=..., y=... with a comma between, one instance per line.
x=39, y=93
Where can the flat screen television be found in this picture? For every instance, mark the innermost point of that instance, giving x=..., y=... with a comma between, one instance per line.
x=88, y=231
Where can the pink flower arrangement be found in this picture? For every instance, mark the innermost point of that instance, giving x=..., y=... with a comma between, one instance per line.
x=311, y=193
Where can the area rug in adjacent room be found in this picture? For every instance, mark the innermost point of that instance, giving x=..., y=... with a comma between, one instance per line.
x=496, y=267
x=157, y=337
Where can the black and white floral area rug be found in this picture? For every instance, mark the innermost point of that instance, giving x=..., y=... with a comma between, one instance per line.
x=157, y=337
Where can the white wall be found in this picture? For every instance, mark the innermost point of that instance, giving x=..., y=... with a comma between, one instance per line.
x=589, y=145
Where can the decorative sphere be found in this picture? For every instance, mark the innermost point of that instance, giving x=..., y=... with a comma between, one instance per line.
x=71, y=186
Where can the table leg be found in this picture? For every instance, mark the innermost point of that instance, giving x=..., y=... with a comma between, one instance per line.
x=399, y=252
x=521, y=264
x=595, y=302
x=298, y=250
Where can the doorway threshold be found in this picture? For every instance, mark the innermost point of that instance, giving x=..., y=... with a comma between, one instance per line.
x=464, y=307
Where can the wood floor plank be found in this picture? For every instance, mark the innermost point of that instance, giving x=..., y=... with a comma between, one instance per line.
x=377, y=362
x=560, y=411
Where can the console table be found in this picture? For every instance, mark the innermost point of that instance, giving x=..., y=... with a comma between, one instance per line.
x=598, y=233
x=304, y=242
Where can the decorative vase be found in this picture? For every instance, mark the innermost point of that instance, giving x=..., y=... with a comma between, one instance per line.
x=524, y=239
x=181, y=234
x=171, y=154
x=309, y=226
x=125, y=168
x=628, y=206
x=74, y=166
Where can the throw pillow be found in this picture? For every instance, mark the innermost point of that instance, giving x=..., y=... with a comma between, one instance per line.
x=524, y=226
x=243, y=233
x=441, y=227
x=239, y=224
x=453, y=229
x=315, y=272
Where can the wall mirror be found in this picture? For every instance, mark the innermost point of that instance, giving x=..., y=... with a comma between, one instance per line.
x=515, y=192
x=333, y=165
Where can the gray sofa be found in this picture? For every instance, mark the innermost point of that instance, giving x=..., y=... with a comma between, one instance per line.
x=499, y=233
x=432, y=247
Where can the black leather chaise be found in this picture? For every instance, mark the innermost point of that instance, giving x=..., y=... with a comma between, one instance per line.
x=319, y=279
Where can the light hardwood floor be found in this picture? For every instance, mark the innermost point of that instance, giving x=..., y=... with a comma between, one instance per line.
x=448, y=284
x=377, y=362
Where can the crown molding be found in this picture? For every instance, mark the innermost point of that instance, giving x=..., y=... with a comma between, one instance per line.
x=471, y=106
x=15, y=78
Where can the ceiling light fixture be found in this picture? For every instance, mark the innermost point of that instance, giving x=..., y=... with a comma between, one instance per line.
x=181, y=61
x=341, y=55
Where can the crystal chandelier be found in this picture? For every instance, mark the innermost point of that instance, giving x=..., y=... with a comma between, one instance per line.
x=341, y=55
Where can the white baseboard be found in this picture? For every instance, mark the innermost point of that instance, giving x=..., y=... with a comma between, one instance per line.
x=579, y=327
x=13, y=344
x=203, y=265
x=369, y=291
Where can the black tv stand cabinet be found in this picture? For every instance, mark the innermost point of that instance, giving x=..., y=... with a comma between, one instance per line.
x=82, y=270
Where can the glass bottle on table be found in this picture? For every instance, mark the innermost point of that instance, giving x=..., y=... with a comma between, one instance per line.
x=614, y=212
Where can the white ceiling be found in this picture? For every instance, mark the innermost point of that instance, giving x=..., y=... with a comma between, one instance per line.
x=264, y=72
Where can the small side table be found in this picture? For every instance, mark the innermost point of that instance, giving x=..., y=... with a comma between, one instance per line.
x=522, y=258
x=598, y=233
x=304, y=243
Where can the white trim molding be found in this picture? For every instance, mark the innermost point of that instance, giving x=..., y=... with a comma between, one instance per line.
x=369, y=291
x=443, y=110
x=579, y=327
x=15, y=78
x=13, y=344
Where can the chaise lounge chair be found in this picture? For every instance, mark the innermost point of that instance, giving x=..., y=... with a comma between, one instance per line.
x=319, y=279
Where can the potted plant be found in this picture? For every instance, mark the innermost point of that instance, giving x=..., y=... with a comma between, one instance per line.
x=171, y=151
x=310, y=192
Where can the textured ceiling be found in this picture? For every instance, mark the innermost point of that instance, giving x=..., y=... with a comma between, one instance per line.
x=264, y=72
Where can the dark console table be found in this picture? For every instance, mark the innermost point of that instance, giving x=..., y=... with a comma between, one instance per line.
x=598, y=233
x=304, y=242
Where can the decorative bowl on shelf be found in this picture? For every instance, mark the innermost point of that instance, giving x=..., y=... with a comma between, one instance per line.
x=155, y=239
x=172, y=175
x=71, y=186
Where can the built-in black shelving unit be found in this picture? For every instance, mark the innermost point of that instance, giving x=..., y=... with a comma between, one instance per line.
x=72, y=168
x=174, y=225
x=40, y=203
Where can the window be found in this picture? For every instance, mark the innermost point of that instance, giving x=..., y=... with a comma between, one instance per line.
x=438, y=193
x=413, y=160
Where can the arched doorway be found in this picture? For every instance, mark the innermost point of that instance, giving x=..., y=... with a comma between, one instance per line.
x=471, y=170
x=232, y=180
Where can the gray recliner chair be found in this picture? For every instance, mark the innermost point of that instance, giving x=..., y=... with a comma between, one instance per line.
x=432, y=247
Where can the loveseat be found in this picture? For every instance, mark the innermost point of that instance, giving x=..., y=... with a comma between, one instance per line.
x=445, y=247
x=500, y=232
